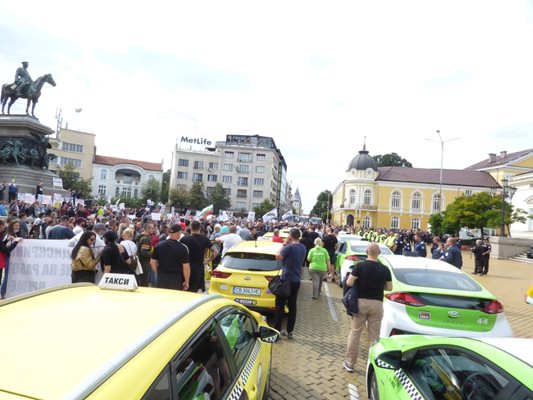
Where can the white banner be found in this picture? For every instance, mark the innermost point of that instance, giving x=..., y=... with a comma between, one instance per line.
x=38, y=264
x=251, y=216
x=57, y=183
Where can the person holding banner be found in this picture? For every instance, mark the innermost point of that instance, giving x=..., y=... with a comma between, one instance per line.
x=84, y=261
x=7, y=245
x=9, y=240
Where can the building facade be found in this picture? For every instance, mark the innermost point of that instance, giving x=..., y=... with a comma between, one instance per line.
x=76, y=148
x=297, y=202
x=115, y=177
x=400, y=197
x=251, y=169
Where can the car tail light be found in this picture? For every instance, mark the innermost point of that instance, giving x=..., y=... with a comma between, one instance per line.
x=404, y=298
x=269, y=278
x=219, y=274
x=493, y=307
x=354, y=257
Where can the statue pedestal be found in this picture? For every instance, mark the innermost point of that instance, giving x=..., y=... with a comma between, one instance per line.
x=23, y=155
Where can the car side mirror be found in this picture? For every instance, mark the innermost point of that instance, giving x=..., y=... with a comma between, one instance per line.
x=389, y=360
x=267, y=334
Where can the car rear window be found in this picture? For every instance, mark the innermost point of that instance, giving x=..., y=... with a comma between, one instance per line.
x=436, y=279
x=358, y=248
x=251, y=262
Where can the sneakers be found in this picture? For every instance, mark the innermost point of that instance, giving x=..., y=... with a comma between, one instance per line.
x=347, y=367
x=289, y=336
x=283, y=333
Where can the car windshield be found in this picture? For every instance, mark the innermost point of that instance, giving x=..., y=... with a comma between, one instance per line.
x=358, y=247
x=251, y=262
x=436, y=279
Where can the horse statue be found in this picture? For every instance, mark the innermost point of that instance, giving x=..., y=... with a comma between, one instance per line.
x=32, y=94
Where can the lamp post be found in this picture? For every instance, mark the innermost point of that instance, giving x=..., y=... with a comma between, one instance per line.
x=507, y=192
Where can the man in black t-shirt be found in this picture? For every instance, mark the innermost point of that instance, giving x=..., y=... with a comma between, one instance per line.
x=371, y=278
x=330, y=244
x=170, y=262
x=197, y=243
x=478, y=251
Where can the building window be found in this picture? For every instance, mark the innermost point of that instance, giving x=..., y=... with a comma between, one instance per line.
x=196, y=177
x=226, y=179
x=395, y=222
x=136, y=193
x=213, y=166
x=241, y=205
x=212, y=178
x=416, y=201
x=229, y=154
x=367, y=197
x=126, y=191
x=103, y=174
x=258, y=193
x=227, y=191
x=260, y=157
x=245, y=157
x=181, y=186
x=228, y=167
x=72, y=161
x=259, y=169
x=183, y=163
x=352, y=197
x=241, y=193
x=436, y=203
x=255, y=205
x=209, y=190
x=468, y=192
x=366, y=222
x=127, y=179
x=415, y=223
x=198, y=165
x=101, y=190
x=76, y=148
x=243, y=169
x=117, y=191
x=242, y=181
x=259, y=181
x=396, y=199
x=182, y=175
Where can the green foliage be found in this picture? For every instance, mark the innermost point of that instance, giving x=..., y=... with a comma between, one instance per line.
x=322, y=207
x=197, y=197
x=263, y=208
x=72, y=181
x=219, y=199
x=179, y=198
x=165, y=186
x=437, y=226
x=151, y=190
x=391, y=160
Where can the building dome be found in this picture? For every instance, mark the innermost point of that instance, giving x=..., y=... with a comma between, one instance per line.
x=363, y=161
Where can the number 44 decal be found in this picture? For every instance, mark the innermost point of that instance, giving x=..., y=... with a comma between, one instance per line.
x=483, y=321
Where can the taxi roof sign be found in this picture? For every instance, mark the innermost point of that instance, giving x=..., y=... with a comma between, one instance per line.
x=126, y=282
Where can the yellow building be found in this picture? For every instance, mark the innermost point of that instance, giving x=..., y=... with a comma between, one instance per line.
x=400, y=197
x=76, y=148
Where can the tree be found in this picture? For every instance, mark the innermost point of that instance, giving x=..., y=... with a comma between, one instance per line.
x=322, y=207
x=480, y=210
x=197, y=196
x=165, y=186
x=437, y=225
x=151, y=190
x=391, y=160
x=219, y=199
x=179, y=198
x=72, y=181
x=263, y=208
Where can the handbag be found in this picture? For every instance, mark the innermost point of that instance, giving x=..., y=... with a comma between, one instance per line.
x=279, y=287
x=351, y=300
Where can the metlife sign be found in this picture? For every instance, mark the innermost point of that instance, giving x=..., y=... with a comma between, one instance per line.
x=199, y=141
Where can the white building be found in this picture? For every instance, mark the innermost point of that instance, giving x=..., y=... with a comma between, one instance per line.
x=119, y=177
x=523, y=199
x=297, y=202
x=250, y=168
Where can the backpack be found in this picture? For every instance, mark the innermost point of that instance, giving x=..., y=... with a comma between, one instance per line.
x=350, y=299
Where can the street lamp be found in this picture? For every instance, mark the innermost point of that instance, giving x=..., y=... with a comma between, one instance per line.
x=441, y=163
x=507, y=193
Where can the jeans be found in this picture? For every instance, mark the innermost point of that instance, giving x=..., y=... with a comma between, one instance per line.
x=318, y=278
x=291, y=303
x=371, y=313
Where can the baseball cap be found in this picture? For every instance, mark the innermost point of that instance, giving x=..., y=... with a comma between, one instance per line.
x=99, y=227
x=175, y=228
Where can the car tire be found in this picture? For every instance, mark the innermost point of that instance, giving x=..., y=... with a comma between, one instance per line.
x=373, y=391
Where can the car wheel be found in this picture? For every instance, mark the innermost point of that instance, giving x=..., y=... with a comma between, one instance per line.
x=373, y=392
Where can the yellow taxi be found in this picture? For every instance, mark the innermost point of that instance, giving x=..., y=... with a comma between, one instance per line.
x=283, y=233
x=85, y=342
x=244, y=273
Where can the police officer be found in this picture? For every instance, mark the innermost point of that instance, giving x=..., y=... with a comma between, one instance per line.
x=487, y=248
x=420, y=248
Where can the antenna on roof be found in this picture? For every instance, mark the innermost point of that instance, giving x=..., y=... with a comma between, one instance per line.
x=364, y=143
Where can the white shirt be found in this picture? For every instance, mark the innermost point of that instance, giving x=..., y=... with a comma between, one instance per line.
x=229, y=240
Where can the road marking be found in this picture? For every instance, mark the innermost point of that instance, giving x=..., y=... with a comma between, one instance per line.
x=352, y=391
x=330, y=303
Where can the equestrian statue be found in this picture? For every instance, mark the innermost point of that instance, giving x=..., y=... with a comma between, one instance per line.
x=24, y=88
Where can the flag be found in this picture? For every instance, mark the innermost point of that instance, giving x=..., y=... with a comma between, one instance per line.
x=272, y=214
x=287, y=215
x=206, y=211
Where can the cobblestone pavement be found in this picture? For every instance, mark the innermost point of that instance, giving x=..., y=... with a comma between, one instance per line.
x=309, y=366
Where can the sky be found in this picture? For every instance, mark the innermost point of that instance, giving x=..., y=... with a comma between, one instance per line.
x=316, y=76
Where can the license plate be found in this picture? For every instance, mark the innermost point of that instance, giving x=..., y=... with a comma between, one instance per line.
x=247, y=290
x=246, y=302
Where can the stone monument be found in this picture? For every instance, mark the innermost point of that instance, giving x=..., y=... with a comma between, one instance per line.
x=24, y=141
